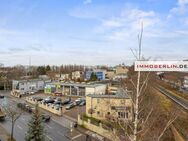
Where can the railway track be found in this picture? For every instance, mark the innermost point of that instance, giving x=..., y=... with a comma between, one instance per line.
x=176, y=99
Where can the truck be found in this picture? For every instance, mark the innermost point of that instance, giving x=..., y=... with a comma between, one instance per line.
x=2, y=115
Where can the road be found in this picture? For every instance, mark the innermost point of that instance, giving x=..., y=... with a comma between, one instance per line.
x=177, y=100
x=54, y=130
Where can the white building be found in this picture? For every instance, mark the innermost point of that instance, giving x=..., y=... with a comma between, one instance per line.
x=64, y=76
x=28, y=86
x=185, y=82
x=77, y=75
x=75, y=89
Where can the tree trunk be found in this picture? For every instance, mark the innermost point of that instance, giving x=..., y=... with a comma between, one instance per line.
x=136, y=108
x=12, y=131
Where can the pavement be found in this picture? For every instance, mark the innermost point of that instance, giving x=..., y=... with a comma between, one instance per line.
x=54, y=130
x=58, y=129
x=3, y=134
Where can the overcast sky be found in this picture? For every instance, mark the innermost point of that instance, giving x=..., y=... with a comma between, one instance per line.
x=91, y=31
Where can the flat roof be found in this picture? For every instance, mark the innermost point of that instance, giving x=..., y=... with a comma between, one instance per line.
x=77, y=84
x=119, y=95
x=31, y=80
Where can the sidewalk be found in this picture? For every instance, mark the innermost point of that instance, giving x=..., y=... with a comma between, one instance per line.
x=3, y=134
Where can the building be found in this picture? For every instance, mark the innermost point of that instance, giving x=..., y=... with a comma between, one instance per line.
x=109, y=106
x=28, y=86
x=99, y=73
x=121, y=70
x=110, y=74
x=64, y=76
x=77, y=75
x=121, y=76
x=185, y=82
x=75, y=89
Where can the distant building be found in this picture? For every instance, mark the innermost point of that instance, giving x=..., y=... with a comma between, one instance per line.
x=109, y=106
x=77, y=75
x=185, y=82
x=110, y=74
x=99, y=73
x=75, y=89
x=28, y=86
x=121, y=70
x=120, y=76
x=64, y=76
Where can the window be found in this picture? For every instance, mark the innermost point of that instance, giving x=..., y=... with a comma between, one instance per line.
x=98, y=100
x=108, y=113
x=127, y=115
x=123, y=101
x=121, y=114
x=22, y=88
x=98, y=112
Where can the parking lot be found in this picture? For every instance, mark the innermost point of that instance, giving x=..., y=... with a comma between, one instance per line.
x=71, y=106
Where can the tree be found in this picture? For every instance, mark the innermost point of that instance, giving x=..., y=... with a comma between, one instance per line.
x=41, y=70
x=36, y=130
x=150, y=121
x=48, y=68
x=93, y=77
x=13, y=115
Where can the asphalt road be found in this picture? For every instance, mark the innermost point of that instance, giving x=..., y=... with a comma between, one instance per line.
x=54, y=131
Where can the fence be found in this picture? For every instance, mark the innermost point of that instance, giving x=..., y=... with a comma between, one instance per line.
x=50, y=108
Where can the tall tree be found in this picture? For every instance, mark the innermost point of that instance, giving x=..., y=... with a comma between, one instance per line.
x=93, y=77
x=41, y=70
x=36, y=130
x=48, y=68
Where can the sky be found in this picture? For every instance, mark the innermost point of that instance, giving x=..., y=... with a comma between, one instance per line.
x=91, y=32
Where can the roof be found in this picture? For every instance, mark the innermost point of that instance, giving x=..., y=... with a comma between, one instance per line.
x=31, y=80
x=77, y=84
x=119, y=95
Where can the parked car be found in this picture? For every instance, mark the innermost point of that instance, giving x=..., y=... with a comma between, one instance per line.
x=46, y=117
x=57, y=106
x=38, y=98
x=66, y=101
x=71, y=105
x=2, y=96
x=79, y=101
x=48, y=100
x=58, y=100
x=82, y=103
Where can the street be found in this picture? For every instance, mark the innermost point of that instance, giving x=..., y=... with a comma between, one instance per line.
x=54, y=130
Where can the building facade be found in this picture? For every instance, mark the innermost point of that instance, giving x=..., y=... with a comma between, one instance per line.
x=28, y=86
x=109, y=106
x=99, y=73
x=185, y=82
x=77, y=75
x=75, y=89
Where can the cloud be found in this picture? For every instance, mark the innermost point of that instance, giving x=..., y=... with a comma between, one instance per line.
x=87, y=1
x=182, y=2
x=127, y=23
x=180, y=9
x=112, y=23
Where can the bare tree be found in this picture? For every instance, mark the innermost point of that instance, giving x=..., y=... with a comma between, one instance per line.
x=145, y=106
x=13, y=114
